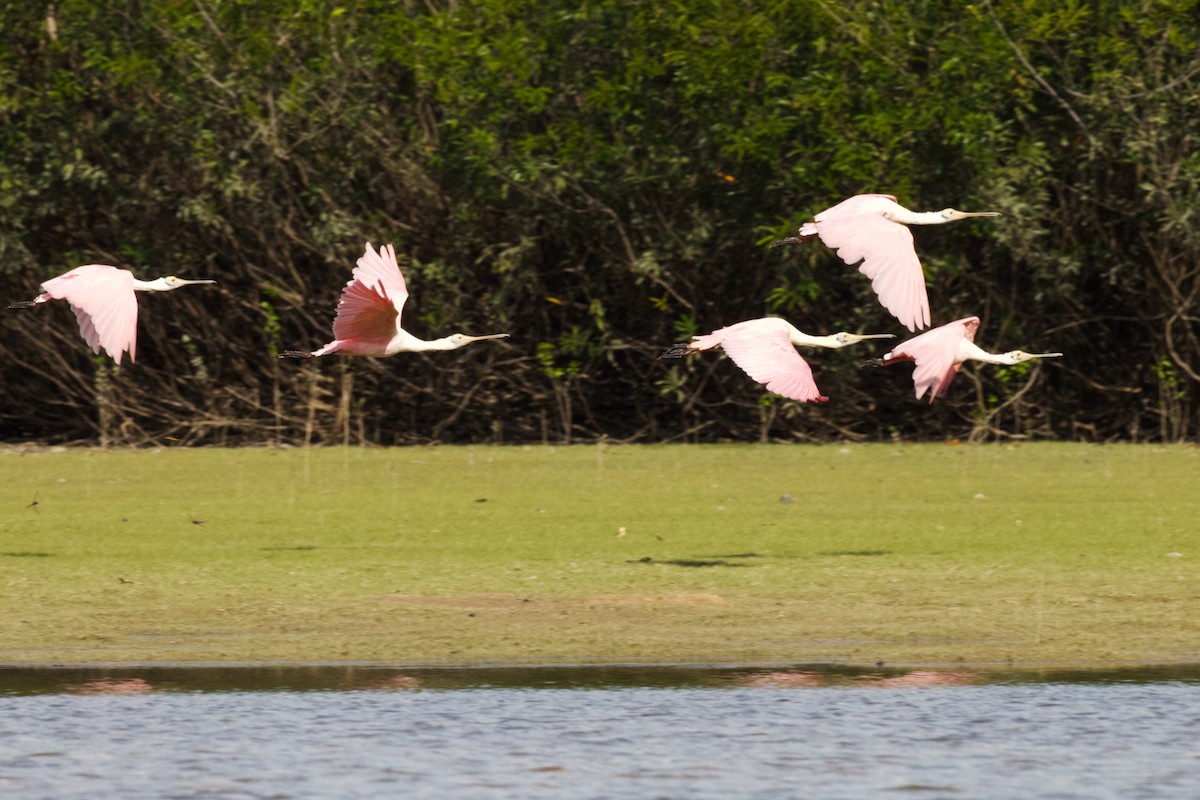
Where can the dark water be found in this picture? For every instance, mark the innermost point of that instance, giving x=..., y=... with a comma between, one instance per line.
x=616, y=732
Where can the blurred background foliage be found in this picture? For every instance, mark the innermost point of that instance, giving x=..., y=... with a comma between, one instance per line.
x=600, y=179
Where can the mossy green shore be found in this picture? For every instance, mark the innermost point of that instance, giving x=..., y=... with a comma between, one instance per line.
x=859, y=553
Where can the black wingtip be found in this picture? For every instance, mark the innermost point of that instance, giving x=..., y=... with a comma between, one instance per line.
x=22, y=304
x=871, y=362
x=295, y=354
x=787, y=240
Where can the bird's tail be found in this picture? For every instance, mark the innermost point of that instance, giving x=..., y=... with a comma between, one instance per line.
x=678, y=351
x=23, y=304
x=295, y=354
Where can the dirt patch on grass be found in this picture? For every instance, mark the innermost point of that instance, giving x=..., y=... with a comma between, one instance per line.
x=674, y=599
x=481, y=601
x=462, y=600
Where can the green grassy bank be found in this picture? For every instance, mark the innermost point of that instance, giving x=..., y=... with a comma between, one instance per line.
x=927, y=553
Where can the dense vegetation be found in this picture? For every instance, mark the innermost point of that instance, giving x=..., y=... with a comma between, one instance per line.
x=600, y=179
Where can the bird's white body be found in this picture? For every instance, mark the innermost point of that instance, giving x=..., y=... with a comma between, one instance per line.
x=872, y=229
x=105, y=305
x=941, y=352
x=765, y=349
x=368, y=316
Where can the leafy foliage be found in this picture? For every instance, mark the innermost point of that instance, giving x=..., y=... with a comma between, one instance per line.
x=599, y=179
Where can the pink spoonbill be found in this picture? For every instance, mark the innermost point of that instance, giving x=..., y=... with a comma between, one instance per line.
x=765, y=349
x=104, y=303
x=940, y=353
x=368, y=314
x=872, y=228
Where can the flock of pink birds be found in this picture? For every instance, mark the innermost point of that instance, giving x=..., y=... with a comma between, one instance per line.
x=869, y=230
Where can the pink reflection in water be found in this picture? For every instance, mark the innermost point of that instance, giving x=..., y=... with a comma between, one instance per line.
x=785, y=679
x=924, y=677
x=395, y=682
x=112, y=686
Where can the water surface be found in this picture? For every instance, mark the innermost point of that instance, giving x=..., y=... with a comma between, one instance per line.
x=614, y=732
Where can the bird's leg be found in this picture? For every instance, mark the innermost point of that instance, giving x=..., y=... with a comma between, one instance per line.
x=885, y=362
x=37, y=301
x=295, y=354
x=678, y=351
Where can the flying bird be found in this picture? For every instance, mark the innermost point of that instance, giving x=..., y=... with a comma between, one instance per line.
x=765, y=350
x=940, y=353
x=368, y=314
x=872, y=228
x=104, y=303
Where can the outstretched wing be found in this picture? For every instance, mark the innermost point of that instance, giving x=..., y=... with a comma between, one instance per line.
x=104, y=304
x=936, y=354
x=372, y=302
x=763, y=351
x=858, y=230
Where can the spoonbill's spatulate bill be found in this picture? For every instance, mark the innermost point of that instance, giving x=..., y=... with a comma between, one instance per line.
x=104, y=303
x=872, y=228
x=765, y=349
x=368, y=314
x=940, y=353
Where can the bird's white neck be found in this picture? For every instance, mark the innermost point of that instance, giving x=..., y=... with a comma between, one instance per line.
x=156, y=285
x=973, y=352
x=405, y=342
x=445, y=343
x=799, y=337
x=906, y=217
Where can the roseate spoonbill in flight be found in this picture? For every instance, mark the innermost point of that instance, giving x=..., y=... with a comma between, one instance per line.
x=871, y=228
x=368, y=314
x=104, y=303
x=939, y=353
x=764, y=349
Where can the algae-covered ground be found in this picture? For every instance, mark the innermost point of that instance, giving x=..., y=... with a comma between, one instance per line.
x=859, y=553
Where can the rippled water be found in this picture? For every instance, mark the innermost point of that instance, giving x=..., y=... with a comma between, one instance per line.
x=598, y=733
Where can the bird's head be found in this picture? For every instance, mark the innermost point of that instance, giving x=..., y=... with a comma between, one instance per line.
x=461, y=339
x=171, y=282
x=1017, y=356
x=843, y=338
x=951, y=214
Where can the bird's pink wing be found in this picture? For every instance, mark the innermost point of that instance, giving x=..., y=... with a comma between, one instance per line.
x=888, y=258
x=858, y=205
x=373, y=300
x=104, y=304
x=858, y=230
x=936, y=355
x=763, y=351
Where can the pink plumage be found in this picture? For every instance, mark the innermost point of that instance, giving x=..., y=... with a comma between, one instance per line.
x=104, y=304
x=367, y=322
x=938, y=355
x=859, y=230
x=373, y=300
x=762, y=348
x=872, y=229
